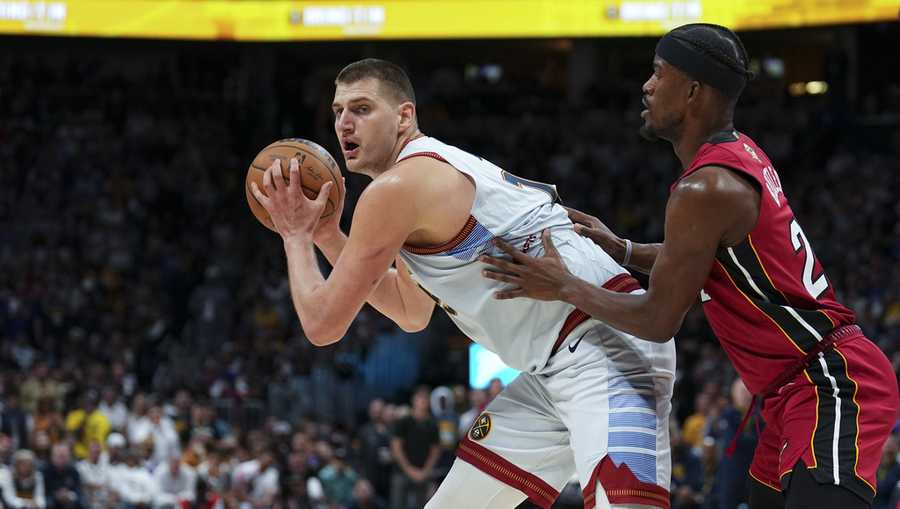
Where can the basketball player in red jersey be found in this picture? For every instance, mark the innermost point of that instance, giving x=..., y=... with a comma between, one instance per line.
x=829, y=394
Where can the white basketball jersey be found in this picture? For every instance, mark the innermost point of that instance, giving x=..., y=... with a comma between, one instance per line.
x=521, y=331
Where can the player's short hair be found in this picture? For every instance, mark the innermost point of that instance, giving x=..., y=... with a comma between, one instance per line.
x=728, y=64
x=393, y=79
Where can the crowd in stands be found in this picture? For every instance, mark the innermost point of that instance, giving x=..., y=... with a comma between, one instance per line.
x=149, y=353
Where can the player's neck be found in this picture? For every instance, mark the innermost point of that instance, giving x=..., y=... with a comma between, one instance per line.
x=693, y=137
x=403, y=141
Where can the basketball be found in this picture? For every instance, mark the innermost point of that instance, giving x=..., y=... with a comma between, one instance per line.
x=316, y=168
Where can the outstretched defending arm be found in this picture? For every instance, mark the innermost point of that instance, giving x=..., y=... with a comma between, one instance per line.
x=710, y=208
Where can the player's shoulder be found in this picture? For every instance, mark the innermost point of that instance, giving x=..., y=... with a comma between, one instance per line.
x=713, y=182
x=418, y=168
x=408, y=180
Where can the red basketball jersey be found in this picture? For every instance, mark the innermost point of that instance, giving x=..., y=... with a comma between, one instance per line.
x=767, y=298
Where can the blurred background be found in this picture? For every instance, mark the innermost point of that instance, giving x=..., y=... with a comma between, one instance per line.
x=149, y=351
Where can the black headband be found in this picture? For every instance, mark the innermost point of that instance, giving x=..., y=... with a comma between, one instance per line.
x=700, y=66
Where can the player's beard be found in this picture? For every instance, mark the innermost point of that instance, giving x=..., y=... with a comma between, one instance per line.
x=648, y=133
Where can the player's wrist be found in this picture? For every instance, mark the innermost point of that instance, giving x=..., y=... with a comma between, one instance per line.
x=569, y=290
x=296, y=240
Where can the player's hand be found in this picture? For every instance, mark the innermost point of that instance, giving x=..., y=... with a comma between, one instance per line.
x=589, y=226
x=538, y=278
x=331, y=225
x=293, y=214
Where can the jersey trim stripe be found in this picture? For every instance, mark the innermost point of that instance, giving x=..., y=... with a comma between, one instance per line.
x=765, y=272
x=621, y=283
x=622, y=486
x=467, y=229
x=834, y=444
x=433, y=155
x=855, y=403
x=494, y=465
x=455, y=241
x=754, y=304
x=805, y=327
x=811, y=318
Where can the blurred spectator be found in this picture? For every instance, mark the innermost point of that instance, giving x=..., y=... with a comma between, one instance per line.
x=113, y=408
x=40, y=384
x=258, y=479
x=87, y=424
x=94, y=474
x=731, y=485
x=477, y=401
x=22, y=484
x=494, y=388
x=14, y=421
x=687, y=473
x=364, y=497
x=49, y=420
x=416, y=447
x=376, y=447
x=180, y=413
x=176, y=484
x=695, y=425
x=131, y=483
x=888, y=475
x=338, y=479
x=157, y=432
x=62, y=483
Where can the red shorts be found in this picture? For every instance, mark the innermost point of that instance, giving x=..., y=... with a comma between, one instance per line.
x=835, y=416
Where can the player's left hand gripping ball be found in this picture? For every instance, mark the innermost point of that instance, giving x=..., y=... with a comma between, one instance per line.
x=538, y=278
x=291, y=211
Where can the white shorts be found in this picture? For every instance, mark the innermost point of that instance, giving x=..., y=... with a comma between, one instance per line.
x=600, y=408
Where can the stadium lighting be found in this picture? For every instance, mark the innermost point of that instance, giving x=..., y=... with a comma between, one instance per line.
x=816, y=87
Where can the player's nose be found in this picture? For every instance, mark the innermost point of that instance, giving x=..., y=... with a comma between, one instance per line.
x=647, y=87
x=344, y=122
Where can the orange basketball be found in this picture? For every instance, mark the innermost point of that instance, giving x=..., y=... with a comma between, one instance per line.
x=316, y=168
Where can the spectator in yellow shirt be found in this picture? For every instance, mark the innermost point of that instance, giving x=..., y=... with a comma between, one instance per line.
x=87, y=424
x=695, y=425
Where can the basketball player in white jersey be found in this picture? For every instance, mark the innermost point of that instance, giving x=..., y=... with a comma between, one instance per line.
x=591, y=400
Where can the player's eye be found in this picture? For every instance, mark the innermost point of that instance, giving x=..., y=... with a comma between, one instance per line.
x=362, y=109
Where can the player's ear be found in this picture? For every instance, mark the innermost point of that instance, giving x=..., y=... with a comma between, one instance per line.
x=407, y=111
x=693, y=87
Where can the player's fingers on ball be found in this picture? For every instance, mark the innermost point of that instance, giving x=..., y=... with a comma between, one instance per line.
x=258, y=194
x=275, y=170
x=267, y=181
x=294, y=173
x=324, y=191
x=278, y=177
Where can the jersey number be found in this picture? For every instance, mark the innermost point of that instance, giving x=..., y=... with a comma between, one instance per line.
x=523, y=182
x=798, y=239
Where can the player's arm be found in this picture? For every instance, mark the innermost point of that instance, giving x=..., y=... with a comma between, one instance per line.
x=642, y=256
x=384, y=218
x=704, y=211
x=397, y=296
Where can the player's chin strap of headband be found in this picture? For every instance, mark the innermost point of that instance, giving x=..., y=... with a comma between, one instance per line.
x=700, y=66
